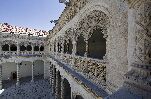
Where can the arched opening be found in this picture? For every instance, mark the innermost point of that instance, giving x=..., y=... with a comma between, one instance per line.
x=38, y=69
x=5, y=47
x=67, y=89
x=58, y=85
x=9, y=78
x=65, y=46
x=81, y=46
x=70, y=46
x=13, y=47
x=25, y=71
x=29, y=48
x=79, y=97
x=22, y=48
x=36, y=48
x=97, y=45
x=41, y=48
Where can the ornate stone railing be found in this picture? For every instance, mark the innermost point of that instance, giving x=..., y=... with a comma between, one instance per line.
x=21, y=53
x=92, y=69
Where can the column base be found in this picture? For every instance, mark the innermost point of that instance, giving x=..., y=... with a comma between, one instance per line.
x=17, y=84
x=32, y=80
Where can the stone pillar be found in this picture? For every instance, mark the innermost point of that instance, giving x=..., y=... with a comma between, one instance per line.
x=62, y=88
x=18, y=73
x=62, y=49
x=139, y=45
x=50, y=74
x=86, y=49
x=45, y=65
x=74, y=50
x=53, y=80
x=67, y=46
x=18, y=49
x=56, y=87
x=56, y=47
x=9, y=49
x=32, y=80
x=62, y=45
x=32, y=49
x=0, y=77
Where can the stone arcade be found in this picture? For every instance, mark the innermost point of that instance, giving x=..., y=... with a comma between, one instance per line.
x=97, y=49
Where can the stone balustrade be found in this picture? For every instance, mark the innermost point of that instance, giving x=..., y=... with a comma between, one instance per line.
x=92, y=69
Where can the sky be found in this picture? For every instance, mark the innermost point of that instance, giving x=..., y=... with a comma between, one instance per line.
x=35, y=14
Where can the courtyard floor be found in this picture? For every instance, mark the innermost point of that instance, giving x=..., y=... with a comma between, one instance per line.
x=39, y=89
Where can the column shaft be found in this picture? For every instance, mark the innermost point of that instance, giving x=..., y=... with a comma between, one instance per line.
x=0, y=77
x=86, y=50
x=62, y=88
x=32, y=80
x=18, y=74
x=56, y=87
x=18, y=50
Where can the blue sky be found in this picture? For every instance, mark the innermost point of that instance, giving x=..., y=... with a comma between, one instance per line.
x=30, y=13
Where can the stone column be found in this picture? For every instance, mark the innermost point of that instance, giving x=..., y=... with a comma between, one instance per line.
x=62, y=49
x=62, y=45
x=32, y=80
x=53, y=80
x=50, y=74
x=56, y=87
x=18, y=73
x=139, y=45
x=9, y=49
x=45, y=69
x=74, y=50
x=56, y=47
x=67, y=46
x=86, y=49
x=62, y=88
x=0, y=77
x=32, y=51
x=18, y=49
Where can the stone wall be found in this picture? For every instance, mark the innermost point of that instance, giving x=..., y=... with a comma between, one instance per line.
x=115, y=13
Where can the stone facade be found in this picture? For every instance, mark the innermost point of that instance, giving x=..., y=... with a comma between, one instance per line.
x=97, y=49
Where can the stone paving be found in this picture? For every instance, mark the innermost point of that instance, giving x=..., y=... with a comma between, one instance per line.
x=40, y=89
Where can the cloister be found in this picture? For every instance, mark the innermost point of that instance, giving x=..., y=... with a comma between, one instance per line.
x=98, y=49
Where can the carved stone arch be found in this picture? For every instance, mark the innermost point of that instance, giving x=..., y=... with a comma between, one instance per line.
x=41, y=46
x=92, y=29
x=69, y=33
x=66, y=89
x=13, y=47
x=9, y=42
x=93, y=20
x=5, y=47
x=97, y=43
x=78, y=97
